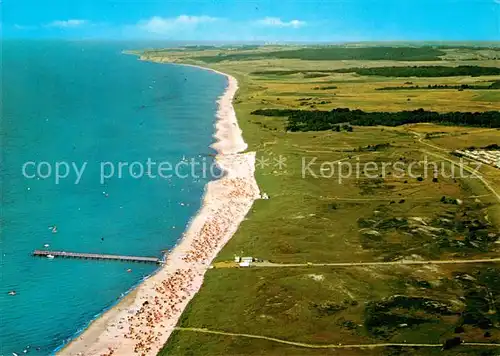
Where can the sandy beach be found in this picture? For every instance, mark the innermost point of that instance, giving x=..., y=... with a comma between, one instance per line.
x=143, y=321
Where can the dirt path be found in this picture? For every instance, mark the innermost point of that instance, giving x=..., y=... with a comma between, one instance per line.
x=421, y=139
x=361, y=264
x=470, y=170
x=327, y=346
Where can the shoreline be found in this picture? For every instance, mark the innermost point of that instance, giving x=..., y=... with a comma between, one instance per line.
x=142, y=321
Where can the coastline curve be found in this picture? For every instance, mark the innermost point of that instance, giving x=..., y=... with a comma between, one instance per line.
x=144, y=319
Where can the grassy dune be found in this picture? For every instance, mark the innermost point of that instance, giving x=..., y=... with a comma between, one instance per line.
x=351, y=219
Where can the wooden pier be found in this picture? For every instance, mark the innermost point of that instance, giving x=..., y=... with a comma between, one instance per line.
x=96, y=256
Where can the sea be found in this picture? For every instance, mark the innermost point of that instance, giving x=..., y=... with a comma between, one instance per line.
x=100, y=153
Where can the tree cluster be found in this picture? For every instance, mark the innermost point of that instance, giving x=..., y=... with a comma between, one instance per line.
x=318, y=120
x=424, y=71
x=495, y=85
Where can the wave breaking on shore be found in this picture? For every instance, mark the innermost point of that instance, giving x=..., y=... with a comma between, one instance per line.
x=142, y=322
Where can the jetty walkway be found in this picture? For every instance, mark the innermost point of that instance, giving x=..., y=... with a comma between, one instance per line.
x=96, y=256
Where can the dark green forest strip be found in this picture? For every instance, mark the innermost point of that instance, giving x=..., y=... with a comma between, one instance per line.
x=495, y=85
x=413, y=71
x=317, y=120
x=336, y=53
x=424, y=71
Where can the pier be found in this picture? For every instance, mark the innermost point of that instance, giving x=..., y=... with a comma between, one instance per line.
x=96, y=256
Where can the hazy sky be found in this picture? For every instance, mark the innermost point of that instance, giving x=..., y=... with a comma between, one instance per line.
x=249, y=20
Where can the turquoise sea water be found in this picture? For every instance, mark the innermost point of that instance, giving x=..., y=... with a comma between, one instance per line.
x=79, y=102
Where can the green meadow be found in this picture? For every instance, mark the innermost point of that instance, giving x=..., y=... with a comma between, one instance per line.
x=325, y=214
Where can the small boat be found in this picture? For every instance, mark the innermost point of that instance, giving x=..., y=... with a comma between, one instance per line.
x=50, y=256
x=12, y=292
x=46, y=245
